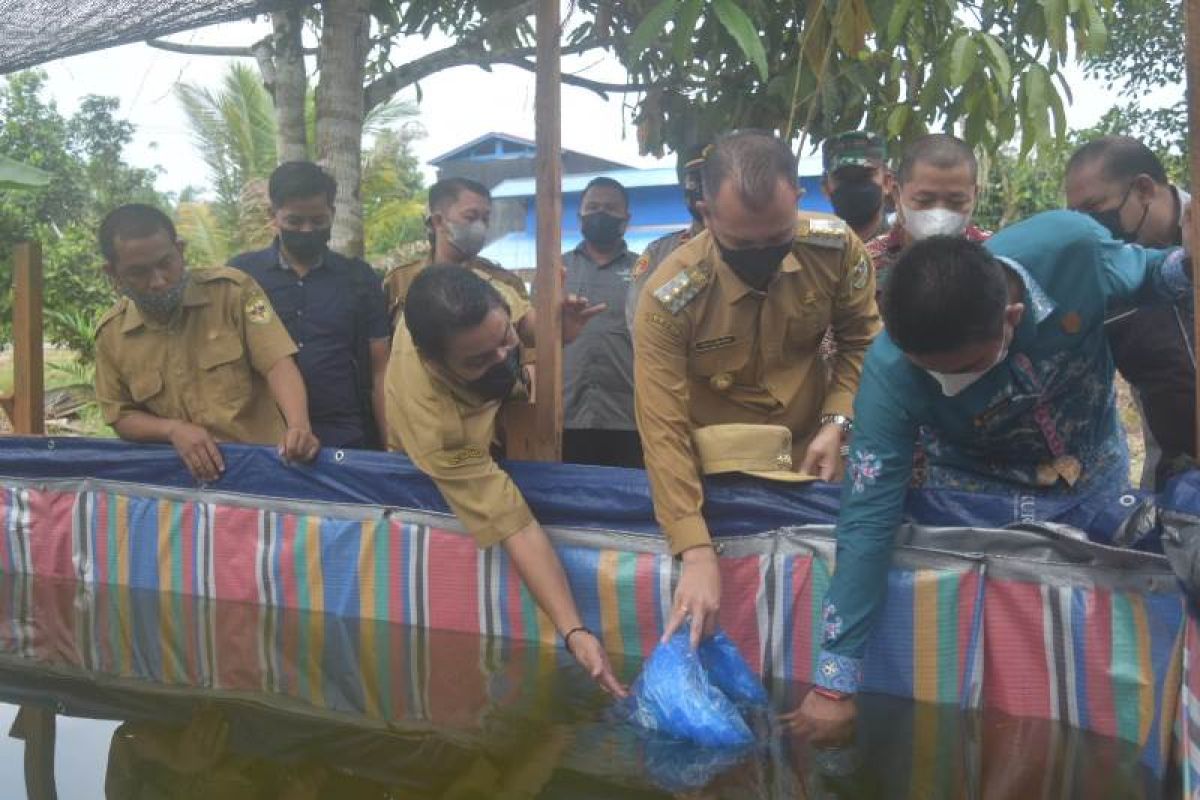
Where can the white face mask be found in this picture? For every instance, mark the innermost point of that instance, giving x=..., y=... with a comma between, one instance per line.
x=958, y=382
x=468, y=237
x=934, y=222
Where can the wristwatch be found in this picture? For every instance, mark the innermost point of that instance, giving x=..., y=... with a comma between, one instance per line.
x=845, y=423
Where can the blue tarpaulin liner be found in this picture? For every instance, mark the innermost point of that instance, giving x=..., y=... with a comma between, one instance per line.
x=560, y=494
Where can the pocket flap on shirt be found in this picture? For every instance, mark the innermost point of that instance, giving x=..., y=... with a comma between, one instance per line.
x=145, y=385
x=221, y=350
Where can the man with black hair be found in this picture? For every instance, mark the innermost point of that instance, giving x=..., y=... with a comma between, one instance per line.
x=998, y=352
x=455, y=362
x=598, y=424
x=332, y=306
x=460, y=210
x=935, y=191
x=192, y=357
x=1121, y=183
x=729, y=329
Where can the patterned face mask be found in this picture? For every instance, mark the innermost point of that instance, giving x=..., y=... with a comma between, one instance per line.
x=159, y=305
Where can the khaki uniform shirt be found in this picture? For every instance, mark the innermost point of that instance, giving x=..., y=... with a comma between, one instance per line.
x=207, y=366
x=708, y=349
x=448, y=432
x=398, y=279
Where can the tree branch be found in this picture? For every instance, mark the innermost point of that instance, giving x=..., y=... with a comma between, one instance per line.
x=210, y=50
x=599, y=87
x=460, y=54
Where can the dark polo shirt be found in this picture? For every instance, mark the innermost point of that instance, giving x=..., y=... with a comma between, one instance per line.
x=330, y=313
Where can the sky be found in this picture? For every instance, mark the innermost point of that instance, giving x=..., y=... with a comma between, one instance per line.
x=456, y=105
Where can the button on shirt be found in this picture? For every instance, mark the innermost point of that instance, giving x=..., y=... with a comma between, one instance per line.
x=598, y=366
x=327, y=313
x=1043, y=420
x=206, y=366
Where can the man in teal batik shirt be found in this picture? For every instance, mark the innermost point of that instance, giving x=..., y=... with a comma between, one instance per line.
x=998, y=350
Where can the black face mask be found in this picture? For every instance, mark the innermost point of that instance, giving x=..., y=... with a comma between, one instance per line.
x=498, y=382
x=857, y=202
x=755, y=265
x=1111, y=218
x=305, y=245
x=602, y=229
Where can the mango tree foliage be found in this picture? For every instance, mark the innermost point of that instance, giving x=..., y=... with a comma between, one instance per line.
x=991, y=70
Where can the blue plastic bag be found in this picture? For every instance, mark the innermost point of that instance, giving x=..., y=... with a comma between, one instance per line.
x=727, y=669
x=692, y=695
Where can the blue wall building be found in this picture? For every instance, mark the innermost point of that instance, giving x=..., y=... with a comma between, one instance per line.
x=655, y=203
x=655, y=197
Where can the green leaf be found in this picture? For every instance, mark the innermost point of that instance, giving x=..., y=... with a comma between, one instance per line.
x=15, y=175
x=900, y=14
x=742, y=29
x=685, y=30
x=1097, y=31
x=962, y=58
x=1056, y=23
x=1001, y=67
x=898, y=120
x=651, y=26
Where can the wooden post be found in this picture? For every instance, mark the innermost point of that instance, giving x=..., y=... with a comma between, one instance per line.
x=546, y=437
x=28, y=401
x=1193, y=99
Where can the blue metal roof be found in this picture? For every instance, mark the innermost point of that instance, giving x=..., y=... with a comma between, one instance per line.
x=518, y=250
x=629, y=178
x=449, y=154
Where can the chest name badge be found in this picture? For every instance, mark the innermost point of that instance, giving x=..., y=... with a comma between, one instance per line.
x=714, y=344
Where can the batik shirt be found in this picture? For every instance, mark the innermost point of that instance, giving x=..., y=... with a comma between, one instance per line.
x=1043, y=420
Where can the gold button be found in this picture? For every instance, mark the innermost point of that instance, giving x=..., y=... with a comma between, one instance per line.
x=721, y=382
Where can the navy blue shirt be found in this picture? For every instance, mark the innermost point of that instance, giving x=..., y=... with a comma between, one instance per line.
x=330, y=314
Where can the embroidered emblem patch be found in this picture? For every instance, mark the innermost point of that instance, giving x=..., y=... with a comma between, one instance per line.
x=860, y=275
x=641, y=266
x=258, y=310
x=1072, y=322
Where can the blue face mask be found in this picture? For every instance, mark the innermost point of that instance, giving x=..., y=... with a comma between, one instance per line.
x=159, y=305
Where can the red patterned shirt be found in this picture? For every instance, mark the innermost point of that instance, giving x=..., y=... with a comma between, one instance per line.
x=885, y=249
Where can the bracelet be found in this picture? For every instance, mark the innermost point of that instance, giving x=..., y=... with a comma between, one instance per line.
x=831, y=694
x=578, y=629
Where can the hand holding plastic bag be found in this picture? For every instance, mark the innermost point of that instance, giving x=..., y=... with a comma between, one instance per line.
x=693, y=694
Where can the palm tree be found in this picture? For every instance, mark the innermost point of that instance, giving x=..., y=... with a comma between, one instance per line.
x=235, y=128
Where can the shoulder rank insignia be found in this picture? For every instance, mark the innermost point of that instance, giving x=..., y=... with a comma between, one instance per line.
x=258, y=310
x=824, y=232
x=676, y=293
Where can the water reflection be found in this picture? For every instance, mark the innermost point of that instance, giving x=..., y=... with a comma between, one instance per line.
x=235, y=701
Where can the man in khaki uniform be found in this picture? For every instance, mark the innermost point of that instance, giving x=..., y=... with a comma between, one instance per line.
x=192, y=357
x=459, y=212
x=455, y=361
x=728, y=330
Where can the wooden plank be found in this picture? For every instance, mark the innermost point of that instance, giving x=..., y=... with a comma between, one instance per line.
x=28, y=389
x=546, y=439
x=1193, y=86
